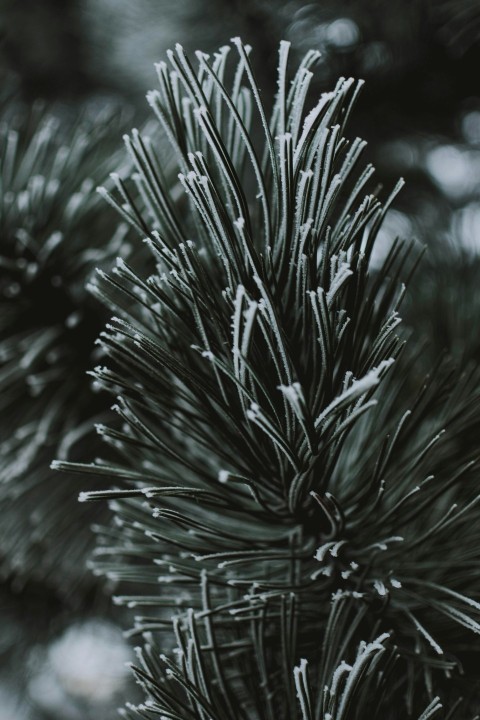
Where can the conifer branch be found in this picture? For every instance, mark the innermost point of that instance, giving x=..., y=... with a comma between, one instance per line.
x=304, y=509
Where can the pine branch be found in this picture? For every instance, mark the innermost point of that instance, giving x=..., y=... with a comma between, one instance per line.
x=276, y=469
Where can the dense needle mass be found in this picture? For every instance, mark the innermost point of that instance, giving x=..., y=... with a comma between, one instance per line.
x=297, y=519
x=54, y=230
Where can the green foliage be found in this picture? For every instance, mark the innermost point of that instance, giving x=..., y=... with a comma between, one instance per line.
x=308, y=506
x=54, y=229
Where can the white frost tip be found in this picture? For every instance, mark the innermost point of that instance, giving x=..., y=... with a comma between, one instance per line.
x=322, y=551
x=200, y=111
x=380, y=588
x=151, y=95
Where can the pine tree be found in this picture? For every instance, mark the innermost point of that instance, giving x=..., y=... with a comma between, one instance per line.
x=294, y=504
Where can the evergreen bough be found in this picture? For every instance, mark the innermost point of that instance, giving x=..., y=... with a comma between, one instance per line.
x=294, y=516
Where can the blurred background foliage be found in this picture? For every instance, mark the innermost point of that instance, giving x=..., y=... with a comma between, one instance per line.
x=419, y=111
